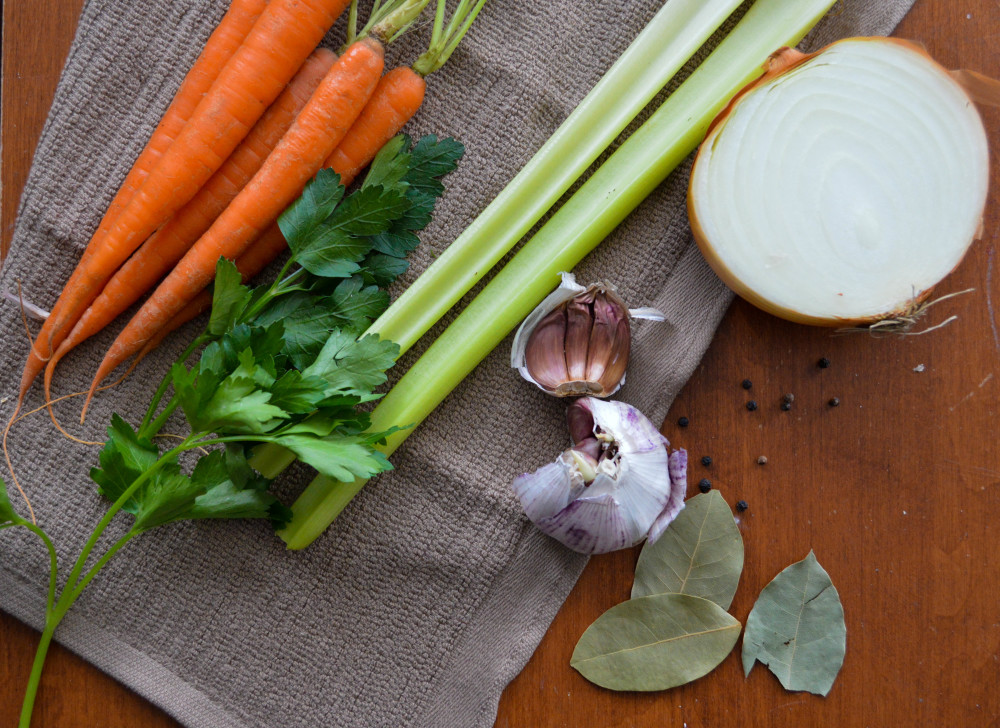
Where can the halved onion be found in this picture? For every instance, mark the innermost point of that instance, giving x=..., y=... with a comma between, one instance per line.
x=841, y=187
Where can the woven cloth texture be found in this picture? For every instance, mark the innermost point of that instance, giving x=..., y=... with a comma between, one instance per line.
x=431, y=591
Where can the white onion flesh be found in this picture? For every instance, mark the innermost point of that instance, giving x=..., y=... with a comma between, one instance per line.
x=845, y=189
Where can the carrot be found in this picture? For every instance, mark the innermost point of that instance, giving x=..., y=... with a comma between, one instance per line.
x=395, y=100
x=221, y=45
x=286, y=32
x=169, y=244
x=317, y=131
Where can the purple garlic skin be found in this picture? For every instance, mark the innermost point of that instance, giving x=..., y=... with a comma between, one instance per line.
x=581, y=347
x=616, y=485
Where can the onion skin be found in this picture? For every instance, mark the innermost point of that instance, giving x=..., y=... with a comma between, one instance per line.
x=781, y=62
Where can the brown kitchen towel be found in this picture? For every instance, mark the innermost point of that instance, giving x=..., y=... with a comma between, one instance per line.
x=431, y=591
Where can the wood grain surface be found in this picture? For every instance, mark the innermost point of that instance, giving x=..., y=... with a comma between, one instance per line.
x=897, y=490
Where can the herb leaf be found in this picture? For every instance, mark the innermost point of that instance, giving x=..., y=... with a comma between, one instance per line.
x=700, y=553
x=797, y=629
x=229, y=298
x=124, y=457
x=340, y=457
x=317, y=202
x=391, y=164
x=655, y=642
x=350, y=365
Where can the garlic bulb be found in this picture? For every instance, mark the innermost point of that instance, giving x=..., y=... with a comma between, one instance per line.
x=616, y=486
x=577, y=341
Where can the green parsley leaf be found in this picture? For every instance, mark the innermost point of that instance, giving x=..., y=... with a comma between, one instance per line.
x=124, y=457
x=317, y=202
x=236, y=404
x=332, y=253
x=306, y=330
x=391, y=164
x=229, y=298
x=369, y=210
x=398, y=241
x=382, y=270
x=357, y=305
x=167, y=496
x=343, y=457
x=297, y=393
x=219, y=487
x=351, y=365
x=432, y=158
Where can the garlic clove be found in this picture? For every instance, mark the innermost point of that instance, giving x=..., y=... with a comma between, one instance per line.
x=636, y=485
x=577, y=341
x=544, y=355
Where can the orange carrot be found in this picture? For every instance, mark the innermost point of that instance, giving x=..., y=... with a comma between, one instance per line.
x=221, y=45
x=317, y=131
x=169, y=244
x=395, y=100
x=286, y=32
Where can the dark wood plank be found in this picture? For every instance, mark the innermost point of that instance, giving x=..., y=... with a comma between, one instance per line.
x=896, y=490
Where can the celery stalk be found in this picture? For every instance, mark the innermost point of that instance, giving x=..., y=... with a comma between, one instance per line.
x=670, y=38
x=610, y=194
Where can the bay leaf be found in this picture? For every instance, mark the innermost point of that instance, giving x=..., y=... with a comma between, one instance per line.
x=797, y=629
x=655, y=642
x=700, y=553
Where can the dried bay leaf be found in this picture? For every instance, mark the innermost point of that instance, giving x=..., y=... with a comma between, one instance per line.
x=655, y=642
x=797, y=629
x=700, y=553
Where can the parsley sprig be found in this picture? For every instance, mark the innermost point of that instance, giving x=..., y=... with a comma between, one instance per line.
x=287, y=364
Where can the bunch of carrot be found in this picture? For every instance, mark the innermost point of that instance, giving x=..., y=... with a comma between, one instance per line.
x=260, y=112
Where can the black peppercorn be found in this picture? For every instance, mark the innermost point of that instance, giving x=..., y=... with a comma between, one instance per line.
x=834, y=402
x=747, y=384
x=823, y=363
x=786, y=406
x=705, y=485
x=706, y=461
x=762, y=460
x=742, y=506
x=752, y=405
x=788, y=398
x=683, y=422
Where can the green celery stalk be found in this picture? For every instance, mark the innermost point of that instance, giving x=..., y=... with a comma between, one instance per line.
x=671, y=37
x=610, y=194
x=677, y=30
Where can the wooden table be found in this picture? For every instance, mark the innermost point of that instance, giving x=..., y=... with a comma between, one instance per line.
x=897, y=490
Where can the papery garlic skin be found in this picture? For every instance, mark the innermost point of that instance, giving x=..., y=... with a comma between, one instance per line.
x=577, y=341
x=636, y=490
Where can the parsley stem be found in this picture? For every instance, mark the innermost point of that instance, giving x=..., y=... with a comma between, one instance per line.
x=75, y=593
x=53, y=559
x=36, y=672
x=279, y=288
x=54, y=615
x=165, y=384
x=154, y=427
x=53, y=563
